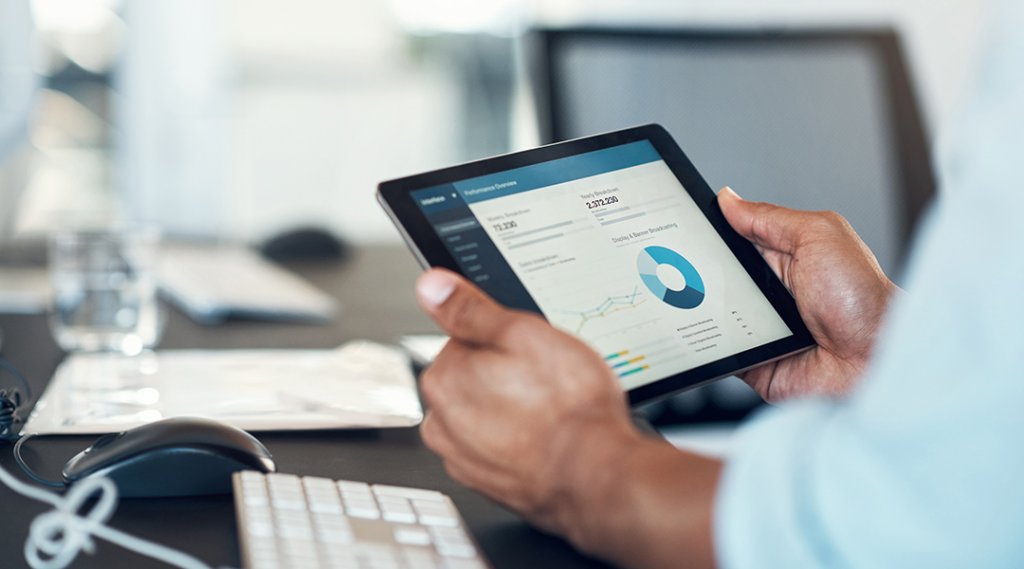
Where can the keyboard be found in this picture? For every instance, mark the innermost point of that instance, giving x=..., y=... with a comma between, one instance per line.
x=291, y=522
x=212, y=283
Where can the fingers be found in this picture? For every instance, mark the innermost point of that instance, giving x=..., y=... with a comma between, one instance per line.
x=461, y=309
x=767, y=225
x=463, y=464
x=453, y=375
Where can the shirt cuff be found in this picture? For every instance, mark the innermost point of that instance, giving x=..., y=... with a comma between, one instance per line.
x=763, y=511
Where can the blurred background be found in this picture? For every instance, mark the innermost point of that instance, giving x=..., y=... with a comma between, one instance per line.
x=239, y=120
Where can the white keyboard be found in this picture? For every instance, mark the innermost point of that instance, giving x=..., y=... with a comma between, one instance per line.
x=212, y=283
x=292, y=522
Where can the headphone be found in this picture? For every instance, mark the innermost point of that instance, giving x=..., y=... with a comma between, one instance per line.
x=10, y=402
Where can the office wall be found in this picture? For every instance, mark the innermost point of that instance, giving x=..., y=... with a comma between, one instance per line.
x=242, y=119
x=329, y=99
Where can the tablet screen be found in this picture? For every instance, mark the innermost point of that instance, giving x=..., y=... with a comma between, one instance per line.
x=610, y=247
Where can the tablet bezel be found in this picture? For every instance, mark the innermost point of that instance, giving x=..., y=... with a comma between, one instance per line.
x=423, y=241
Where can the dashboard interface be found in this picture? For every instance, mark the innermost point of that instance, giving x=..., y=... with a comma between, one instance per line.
x=610, y=247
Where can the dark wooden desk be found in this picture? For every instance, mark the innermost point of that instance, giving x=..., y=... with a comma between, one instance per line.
x=375, y=288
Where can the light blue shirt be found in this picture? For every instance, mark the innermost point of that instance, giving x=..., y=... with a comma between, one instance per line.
x=923, y=466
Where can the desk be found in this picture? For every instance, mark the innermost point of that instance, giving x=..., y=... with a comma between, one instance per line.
x=375, y=289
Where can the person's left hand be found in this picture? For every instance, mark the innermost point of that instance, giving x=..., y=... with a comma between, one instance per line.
x=518, y=410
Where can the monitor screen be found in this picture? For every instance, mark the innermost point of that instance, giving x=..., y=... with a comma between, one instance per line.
x=804, y=120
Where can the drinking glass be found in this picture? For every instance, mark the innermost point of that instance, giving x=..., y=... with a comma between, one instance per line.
x=104, y=289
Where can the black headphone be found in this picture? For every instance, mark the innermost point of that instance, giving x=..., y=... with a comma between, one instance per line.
x=10, y=402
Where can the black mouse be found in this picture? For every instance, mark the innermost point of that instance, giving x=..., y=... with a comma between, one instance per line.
x=174, y=457
x=304, y=243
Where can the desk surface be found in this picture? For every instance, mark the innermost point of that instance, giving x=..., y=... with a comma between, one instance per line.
x=375, y=288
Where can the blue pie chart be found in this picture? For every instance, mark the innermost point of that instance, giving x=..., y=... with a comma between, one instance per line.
x=647, y=263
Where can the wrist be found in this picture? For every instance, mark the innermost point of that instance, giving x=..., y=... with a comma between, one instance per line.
x=635, y=500
x=593, y=461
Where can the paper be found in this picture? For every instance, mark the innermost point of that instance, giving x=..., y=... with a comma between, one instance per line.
x=423, y=348
x=360, y=385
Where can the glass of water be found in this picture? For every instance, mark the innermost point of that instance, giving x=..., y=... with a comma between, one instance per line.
x=104, y=289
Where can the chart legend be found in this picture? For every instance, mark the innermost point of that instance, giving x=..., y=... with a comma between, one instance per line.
x=626, y=364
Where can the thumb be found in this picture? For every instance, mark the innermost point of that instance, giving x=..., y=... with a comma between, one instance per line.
x=460, y=308
x=767, y=225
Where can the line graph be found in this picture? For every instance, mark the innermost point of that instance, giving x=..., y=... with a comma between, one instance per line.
x=608, y=306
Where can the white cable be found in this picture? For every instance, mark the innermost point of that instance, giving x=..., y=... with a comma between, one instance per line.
x=56, y=537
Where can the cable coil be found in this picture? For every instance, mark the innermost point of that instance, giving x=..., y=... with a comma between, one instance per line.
x=55, y=538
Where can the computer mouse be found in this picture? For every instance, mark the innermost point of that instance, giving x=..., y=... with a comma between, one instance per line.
x=182, y=456
x=304, y=243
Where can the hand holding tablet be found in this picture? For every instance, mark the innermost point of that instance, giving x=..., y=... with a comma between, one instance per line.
x=615, y=239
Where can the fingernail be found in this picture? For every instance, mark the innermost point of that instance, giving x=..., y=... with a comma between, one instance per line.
x=731, y=192
x=435, y=287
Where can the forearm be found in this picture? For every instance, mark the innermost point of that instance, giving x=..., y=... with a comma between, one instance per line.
x=641, y=503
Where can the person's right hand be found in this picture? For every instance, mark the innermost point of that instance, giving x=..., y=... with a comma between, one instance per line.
x=840, y=290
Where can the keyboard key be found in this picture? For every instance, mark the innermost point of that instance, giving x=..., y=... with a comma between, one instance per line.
x=452, y=542
x=408, y=493
x=360, y=509
x=420, y=558
x=256, y=499
x=376, y=556
x=396, y=509
x=254, y=491
x=412, y=535
x=286, y=492
x=259, y=522
x=333, y=528
x=340, y=558
x=456, y=549
x=322, y=495
x=461, y=563
x=435, y=513
x=353, y=487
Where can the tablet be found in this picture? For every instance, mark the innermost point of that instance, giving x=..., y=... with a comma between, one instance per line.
x=616, y=239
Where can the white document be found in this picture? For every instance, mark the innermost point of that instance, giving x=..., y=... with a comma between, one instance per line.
x=423, y=348
x=359, y=385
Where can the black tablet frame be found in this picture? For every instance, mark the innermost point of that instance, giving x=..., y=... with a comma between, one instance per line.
x=423, y=241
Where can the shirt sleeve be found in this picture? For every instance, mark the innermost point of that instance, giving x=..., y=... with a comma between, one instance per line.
x=922, y=465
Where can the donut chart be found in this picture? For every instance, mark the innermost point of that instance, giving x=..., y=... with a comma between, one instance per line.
x=647, y=263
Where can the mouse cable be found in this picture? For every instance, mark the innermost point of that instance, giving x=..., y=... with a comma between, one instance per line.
x=55, y=538
x=10, y=401
x=28, y=469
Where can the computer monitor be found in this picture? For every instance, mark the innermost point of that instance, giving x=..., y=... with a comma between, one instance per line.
x=822, y=119
x=812, y=119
